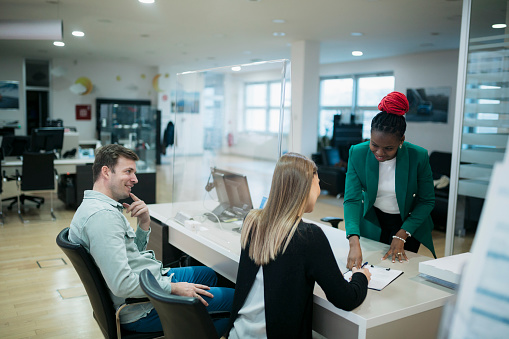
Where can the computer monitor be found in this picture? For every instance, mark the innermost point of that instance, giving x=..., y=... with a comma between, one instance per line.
x=15, y=145
x=47, y=139
x=232, y=192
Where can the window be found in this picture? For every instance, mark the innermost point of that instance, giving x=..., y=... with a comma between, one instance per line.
x=355, y=97
x=262, y=107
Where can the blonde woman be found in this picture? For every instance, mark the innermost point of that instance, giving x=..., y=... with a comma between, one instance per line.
x=282, y=258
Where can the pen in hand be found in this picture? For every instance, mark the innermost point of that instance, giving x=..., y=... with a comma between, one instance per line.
x=364, y=264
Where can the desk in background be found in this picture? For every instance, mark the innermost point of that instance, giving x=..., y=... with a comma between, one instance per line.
x=75, y=176
x=409, y=305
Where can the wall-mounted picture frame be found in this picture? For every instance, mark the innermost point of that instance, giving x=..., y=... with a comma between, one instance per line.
x=185, y=102
x=428, y=104
x=9, y=95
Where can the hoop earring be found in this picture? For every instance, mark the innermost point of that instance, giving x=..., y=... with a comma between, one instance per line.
x=400, y=146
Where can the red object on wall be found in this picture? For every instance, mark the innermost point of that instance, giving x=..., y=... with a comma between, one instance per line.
x=83, y=112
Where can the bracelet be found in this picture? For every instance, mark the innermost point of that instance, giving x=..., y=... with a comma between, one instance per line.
x=408, y=233
x=352, y=235
x=395, y=236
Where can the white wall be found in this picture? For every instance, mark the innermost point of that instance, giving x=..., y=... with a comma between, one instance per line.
x=434, y=69
x=112, y=80
x=11, y=68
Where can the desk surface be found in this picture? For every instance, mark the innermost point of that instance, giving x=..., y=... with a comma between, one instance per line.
x=220, y=249
x=70, y=161
x=62, y=166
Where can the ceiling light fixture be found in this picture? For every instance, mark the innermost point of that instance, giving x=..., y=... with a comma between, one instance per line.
x=147, y=1
x=499, y=26
x=278, y=21
x=59, y=43
x=279, y=34
x=236, y=68
x=357, y=53
x=78, y=33
x=356, y=34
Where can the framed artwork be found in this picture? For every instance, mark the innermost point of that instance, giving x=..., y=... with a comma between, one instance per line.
x=9, y=94
x=430, y=104
x=83, y=112
x=185, y=102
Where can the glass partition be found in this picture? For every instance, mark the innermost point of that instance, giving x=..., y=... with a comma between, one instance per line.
x=231, y=126
x=484, y=121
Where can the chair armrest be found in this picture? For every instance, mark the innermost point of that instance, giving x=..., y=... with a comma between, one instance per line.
x=334, y=221
x=128, y=301
x=132, y=301
x=219, y=315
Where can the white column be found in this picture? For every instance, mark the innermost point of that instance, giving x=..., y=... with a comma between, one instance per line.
x=305, y=90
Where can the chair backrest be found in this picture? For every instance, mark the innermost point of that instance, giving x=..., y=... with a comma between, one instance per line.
x=440, y=163
x=330, y=156
x=181, y=317
x=37, y=171
x=93, y=282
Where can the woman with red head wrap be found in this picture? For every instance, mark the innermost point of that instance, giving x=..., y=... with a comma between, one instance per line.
x=389, y=192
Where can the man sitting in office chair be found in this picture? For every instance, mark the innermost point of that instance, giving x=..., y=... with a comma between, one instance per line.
x=119, y=251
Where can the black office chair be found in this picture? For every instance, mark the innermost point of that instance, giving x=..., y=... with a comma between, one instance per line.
x=181, y=317
x=38, y=174
x=98, y=294
x=332, y=172
x=2, y=179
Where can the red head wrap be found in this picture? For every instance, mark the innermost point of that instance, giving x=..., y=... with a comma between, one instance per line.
x=394, y=103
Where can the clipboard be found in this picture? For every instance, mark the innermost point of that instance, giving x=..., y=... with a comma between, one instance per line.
x=380, y=276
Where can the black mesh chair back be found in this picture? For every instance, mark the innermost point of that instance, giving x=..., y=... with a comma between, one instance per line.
x=181, y=317
x=38, y=172
x=97, y=290
x=330, y=156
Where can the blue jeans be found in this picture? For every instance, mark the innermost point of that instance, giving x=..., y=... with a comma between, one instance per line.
x=222, y=301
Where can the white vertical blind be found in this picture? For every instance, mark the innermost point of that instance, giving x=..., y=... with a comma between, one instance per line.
x=486, y=113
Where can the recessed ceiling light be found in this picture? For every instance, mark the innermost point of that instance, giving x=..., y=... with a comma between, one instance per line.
x=78, y=33
x=278, y=21
x=236, y=68
x=356, y=34
x=147, y=1
x=59, y=43
x=247, y=52
x=357, y=53
x=499, y=26
x=279, y=34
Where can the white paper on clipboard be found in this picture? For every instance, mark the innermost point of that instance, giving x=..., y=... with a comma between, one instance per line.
x=380, y=276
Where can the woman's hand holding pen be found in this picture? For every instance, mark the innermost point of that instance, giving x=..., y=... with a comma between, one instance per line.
x=362, y=270
x=397, y=249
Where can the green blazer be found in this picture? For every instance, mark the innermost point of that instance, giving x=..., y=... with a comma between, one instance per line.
x=415, y=192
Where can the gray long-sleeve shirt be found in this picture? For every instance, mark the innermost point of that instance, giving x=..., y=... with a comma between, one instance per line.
x=118, y=251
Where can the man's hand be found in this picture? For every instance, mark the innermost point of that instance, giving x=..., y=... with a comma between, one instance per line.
x=191, y=290
x=139, y=210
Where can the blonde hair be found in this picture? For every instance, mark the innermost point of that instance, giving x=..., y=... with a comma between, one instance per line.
x=268, y=231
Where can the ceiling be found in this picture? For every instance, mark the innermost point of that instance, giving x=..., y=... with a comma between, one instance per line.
x=197, y=34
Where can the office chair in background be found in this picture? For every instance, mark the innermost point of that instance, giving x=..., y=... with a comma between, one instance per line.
x=38, y=174
x=2, y=179
x=181, y=317
x=104, y=313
